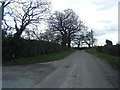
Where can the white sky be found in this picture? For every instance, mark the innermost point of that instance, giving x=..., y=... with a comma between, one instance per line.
x=99, y=15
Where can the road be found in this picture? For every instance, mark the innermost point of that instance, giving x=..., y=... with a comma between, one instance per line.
x=79, y=70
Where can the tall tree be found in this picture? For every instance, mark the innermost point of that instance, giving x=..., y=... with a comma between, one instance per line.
x=25, y=13
x=5, y=11
x=51, y=36
x=5, y=4
x=88, y=38
x=66, y=23
x=78, y=40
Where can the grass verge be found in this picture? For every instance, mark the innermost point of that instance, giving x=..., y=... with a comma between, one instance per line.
x=113, y=59
x=41, y=58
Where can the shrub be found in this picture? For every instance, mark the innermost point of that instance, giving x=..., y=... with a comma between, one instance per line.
x=113, y=50
x=20, y=48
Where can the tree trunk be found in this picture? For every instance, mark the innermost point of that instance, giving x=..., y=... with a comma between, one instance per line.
x=64, y=40
x=89, y=45
x=19, y=31
x=69, y=42
x=69, y=45
x=63, y=43
x=18, y=34
x=78, y=46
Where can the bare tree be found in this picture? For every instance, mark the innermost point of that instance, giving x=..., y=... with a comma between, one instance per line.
x=78, y=41
x=88, y=38
x=54, y=37
x=85, y=37
x=79, y=36
x=25, y=13
x=65, y=23
x=5, y=11
x=4, y=5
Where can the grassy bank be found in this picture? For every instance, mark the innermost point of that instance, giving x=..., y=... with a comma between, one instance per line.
x=113, y=59
x=41, y=58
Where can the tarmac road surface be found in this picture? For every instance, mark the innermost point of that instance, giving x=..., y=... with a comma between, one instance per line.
x=79, y=70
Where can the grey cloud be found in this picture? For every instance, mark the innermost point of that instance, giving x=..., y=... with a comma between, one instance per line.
x=113, y=28
x=105, y=21
x=106, y=7
x=100, y=33
x=105, y=4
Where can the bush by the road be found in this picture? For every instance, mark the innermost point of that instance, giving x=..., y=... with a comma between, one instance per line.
x=38, y=59
x=110, y=50
x=20, y=48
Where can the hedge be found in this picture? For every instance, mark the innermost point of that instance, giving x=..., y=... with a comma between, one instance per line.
x=20, y=48
x=113, y=50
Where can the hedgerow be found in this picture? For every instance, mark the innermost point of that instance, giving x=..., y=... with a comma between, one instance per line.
x=21, y=48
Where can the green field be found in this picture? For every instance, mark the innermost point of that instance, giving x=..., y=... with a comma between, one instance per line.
x=113, y=59
x=41, y=58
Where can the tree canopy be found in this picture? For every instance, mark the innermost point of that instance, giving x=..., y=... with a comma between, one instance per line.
x=24, y=13
x=66, y=23
x=63, y=27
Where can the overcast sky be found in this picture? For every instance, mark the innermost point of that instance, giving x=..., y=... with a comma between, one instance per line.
x=99, y=15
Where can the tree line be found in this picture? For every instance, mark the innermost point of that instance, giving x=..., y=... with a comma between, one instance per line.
x=22, y=19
